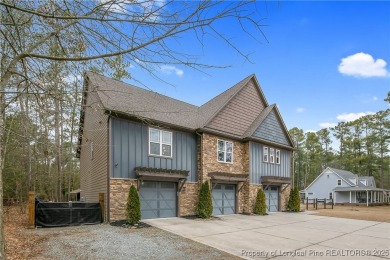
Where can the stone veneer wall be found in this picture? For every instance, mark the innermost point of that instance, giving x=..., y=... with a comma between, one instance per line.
x=284, y=196
x=252, y=194
x=240, y=163
x=119, y=189
x=189, y=199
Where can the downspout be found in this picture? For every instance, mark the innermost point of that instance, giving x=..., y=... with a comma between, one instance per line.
x=109, y=121
x=201, y=158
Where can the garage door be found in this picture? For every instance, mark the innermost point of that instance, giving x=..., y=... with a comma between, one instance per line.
x=224, y=199
x=158, y=199
x=272, y=199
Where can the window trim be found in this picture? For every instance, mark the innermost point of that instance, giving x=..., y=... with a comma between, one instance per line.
x=277, y=156
x=330, y=195
x=271, y=155
x=225, y=151
x=161, y=143
x=265, y=154
x=341, y=182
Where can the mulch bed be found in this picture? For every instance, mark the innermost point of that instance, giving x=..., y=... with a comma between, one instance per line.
x=125, y=224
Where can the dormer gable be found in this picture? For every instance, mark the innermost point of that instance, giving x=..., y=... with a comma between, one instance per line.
x=238, y=113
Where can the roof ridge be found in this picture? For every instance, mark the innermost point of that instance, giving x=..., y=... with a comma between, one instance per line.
x=220, y=94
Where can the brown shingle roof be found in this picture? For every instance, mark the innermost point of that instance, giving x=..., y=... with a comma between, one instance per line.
x=145, y=104
x=123, y=98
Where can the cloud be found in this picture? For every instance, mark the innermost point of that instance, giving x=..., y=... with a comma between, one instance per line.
x=168, y=69
x=72, y=78
x=352, y=116
x=374, y=98
x=310, y=131
x=327, y=125
x=363, y=65
x=300, y=109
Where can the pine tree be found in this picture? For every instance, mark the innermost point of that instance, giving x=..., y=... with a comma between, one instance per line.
x=205, y=204
x=260, y=206
x=133, y=206
x=294, y=203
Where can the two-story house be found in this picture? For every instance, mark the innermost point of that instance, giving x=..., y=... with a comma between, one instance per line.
x=166, y=147
x=345, y=187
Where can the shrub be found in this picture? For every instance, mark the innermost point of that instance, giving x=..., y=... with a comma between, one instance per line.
x=205, y=204
x=260, y=206
x=133, y=206
x=294, y=203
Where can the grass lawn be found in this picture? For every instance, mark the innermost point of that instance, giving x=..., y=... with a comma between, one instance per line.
x=376, y=213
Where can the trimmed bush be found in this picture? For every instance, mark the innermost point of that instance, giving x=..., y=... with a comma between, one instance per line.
x=205, y=204
x=260, y=206
x=133, y=206
x=294, y=203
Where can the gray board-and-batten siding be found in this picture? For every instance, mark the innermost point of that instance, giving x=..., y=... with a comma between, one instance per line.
x=271, y=130
x=259, y=168
x=130, y=149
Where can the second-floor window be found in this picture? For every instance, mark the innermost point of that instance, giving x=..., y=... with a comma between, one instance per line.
x=277, y=157
x=338, y=182
x=160, y=142
x=271, y=155
x=225, y=151
x=265, y=154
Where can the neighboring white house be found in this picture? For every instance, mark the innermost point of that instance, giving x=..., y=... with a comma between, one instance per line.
x=345, y=187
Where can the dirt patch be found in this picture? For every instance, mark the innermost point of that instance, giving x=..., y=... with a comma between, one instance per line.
x=20, y=243
x=376, y=213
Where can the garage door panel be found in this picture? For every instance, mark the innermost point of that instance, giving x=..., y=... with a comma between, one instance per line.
x=158, y=200
x=148, y=204
x=147, y=214
x=272, y=199
x=224, y=196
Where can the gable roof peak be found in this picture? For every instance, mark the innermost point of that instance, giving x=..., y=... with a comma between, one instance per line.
x=212, y=107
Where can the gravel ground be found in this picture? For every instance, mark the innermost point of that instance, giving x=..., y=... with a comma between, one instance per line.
x=111, y=242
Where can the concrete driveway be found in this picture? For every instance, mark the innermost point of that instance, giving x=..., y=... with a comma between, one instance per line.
x=286, y=236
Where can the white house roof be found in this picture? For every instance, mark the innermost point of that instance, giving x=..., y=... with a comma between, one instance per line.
x=357, y=189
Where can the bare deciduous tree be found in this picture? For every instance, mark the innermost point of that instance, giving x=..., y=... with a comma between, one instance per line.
x=136, y=31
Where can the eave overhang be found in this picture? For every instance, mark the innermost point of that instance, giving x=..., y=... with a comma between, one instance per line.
x=228, y=177
x=273, y=180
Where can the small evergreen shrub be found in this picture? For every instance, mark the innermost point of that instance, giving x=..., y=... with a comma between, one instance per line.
x=294, y=203
x=205, y=204
x=133, y=206
x=260, y=206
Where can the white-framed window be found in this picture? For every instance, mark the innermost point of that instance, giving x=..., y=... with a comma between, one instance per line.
x=339, y=182
x=277, y=157
x=224, y=151
x=160, y=142
x=330, y=195
x=271, y=155
x=265, y=154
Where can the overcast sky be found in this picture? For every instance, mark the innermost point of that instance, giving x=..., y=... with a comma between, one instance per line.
x=323, y=63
